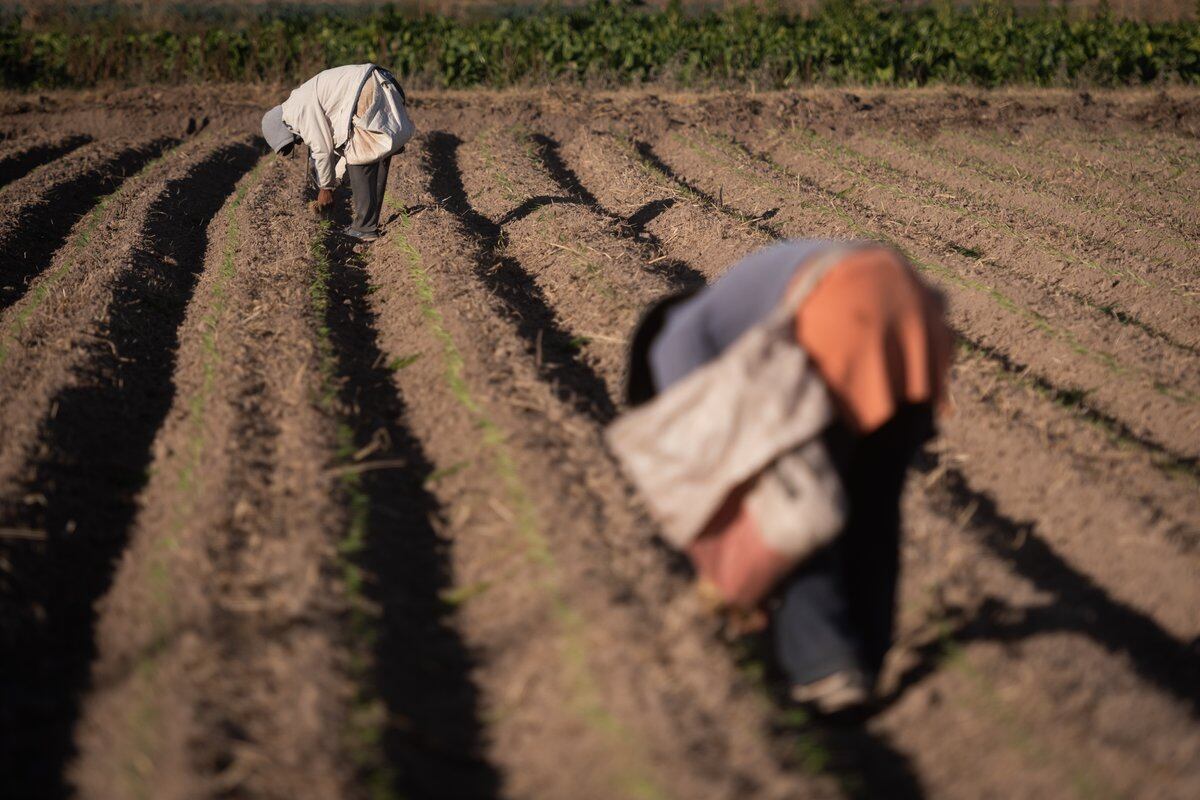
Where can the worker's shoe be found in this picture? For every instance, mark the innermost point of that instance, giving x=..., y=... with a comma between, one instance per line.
x=842, y=691
x=361, y=236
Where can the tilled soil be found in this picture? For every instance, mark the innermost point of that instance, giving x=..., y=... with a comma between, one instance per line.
x=286, y=518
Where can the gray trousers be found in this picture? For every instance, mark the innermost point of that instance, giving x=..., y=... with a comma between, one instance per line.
x=367, y=185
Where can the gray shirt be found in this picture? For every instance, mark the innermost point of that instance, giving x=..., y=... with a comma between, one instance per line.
x=697, y=330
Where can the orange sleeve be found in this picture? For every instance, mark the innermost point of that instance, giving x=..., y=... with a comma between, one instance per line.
x=878, y=337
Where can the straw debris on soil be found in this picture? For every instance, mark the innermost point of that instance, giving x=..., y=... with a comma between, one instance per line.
x=284, y=517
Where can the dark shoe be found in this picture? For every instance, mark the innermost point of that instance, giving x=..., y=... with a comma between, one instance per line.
x=361, y=235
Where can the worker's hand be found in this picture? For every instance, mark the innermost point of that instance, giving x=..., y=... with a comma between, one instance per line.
x=324, y=202
x=736, y=622
x=742, y=622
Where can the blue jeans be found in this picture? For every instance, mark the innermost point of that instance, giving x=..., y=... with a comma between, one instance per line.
x=837, y=610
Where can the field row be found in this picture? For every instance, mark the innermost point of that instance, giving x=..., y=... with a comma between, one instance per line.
x=362, y=497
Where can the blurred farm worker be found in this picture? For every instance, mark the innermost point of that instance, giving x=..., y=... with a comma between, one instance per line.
x=353, y=120
x=772, y=418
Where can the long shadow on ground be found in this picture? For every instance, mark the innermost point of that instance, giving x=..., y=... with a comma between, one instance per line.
x=43, y=226
x=524, y=304
x=1079, y=605
x=866, y=766
x=20, y=164
x=678, y=273
x=96, y=448
x=651, y=158
x=423, y=668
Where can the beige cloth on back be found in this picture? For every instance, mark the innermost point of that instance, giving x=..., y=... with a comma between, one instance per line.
x=381, y=125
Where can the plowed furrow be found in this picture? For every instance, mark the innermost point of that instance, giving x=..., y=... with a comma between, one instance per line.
x=525, y=303
x=1158, y=164
x=1025, y=163
x=240, y=685
x=1122, y=373
x=1002, y=637
x=142, y=714
x=1031, y=455
x=677, y=273
x=1091, y=243
x=77, y=487
x=1159, y=305
x=43, y=335
x=585, y=268
x=244, y=683
x=415, y=688
x=681, y=226
x=275, y=600
x=552, y=568
x=39, y=211
x=1156, y=654
x=289, y=443
x=17, y=162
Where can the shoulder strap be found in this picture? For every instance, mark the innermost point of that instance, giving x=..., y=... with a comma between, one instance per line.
x=390, y=78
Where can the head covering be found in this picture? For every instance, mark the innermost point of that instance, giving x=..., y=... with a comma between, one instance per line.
x=878, y=336
x=277, y=134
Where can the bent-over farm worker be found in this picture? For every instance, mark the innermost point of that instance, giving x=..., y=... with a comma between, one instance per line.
x=772, y=419
x=353, y=120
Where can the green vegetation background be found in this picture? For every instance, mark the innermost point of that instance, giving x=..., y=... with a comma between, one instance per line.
x=605, y=43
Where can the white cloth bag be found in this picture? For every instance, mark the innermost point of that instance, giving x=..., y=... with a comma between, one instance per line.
x=383, y=128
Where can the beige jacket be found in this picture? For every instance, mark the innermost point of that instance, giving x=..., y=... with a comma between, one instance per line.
x=325, y=112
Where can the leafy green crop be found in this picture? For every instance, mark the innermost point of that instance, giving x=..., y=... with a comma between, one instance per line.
x=847, y=41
